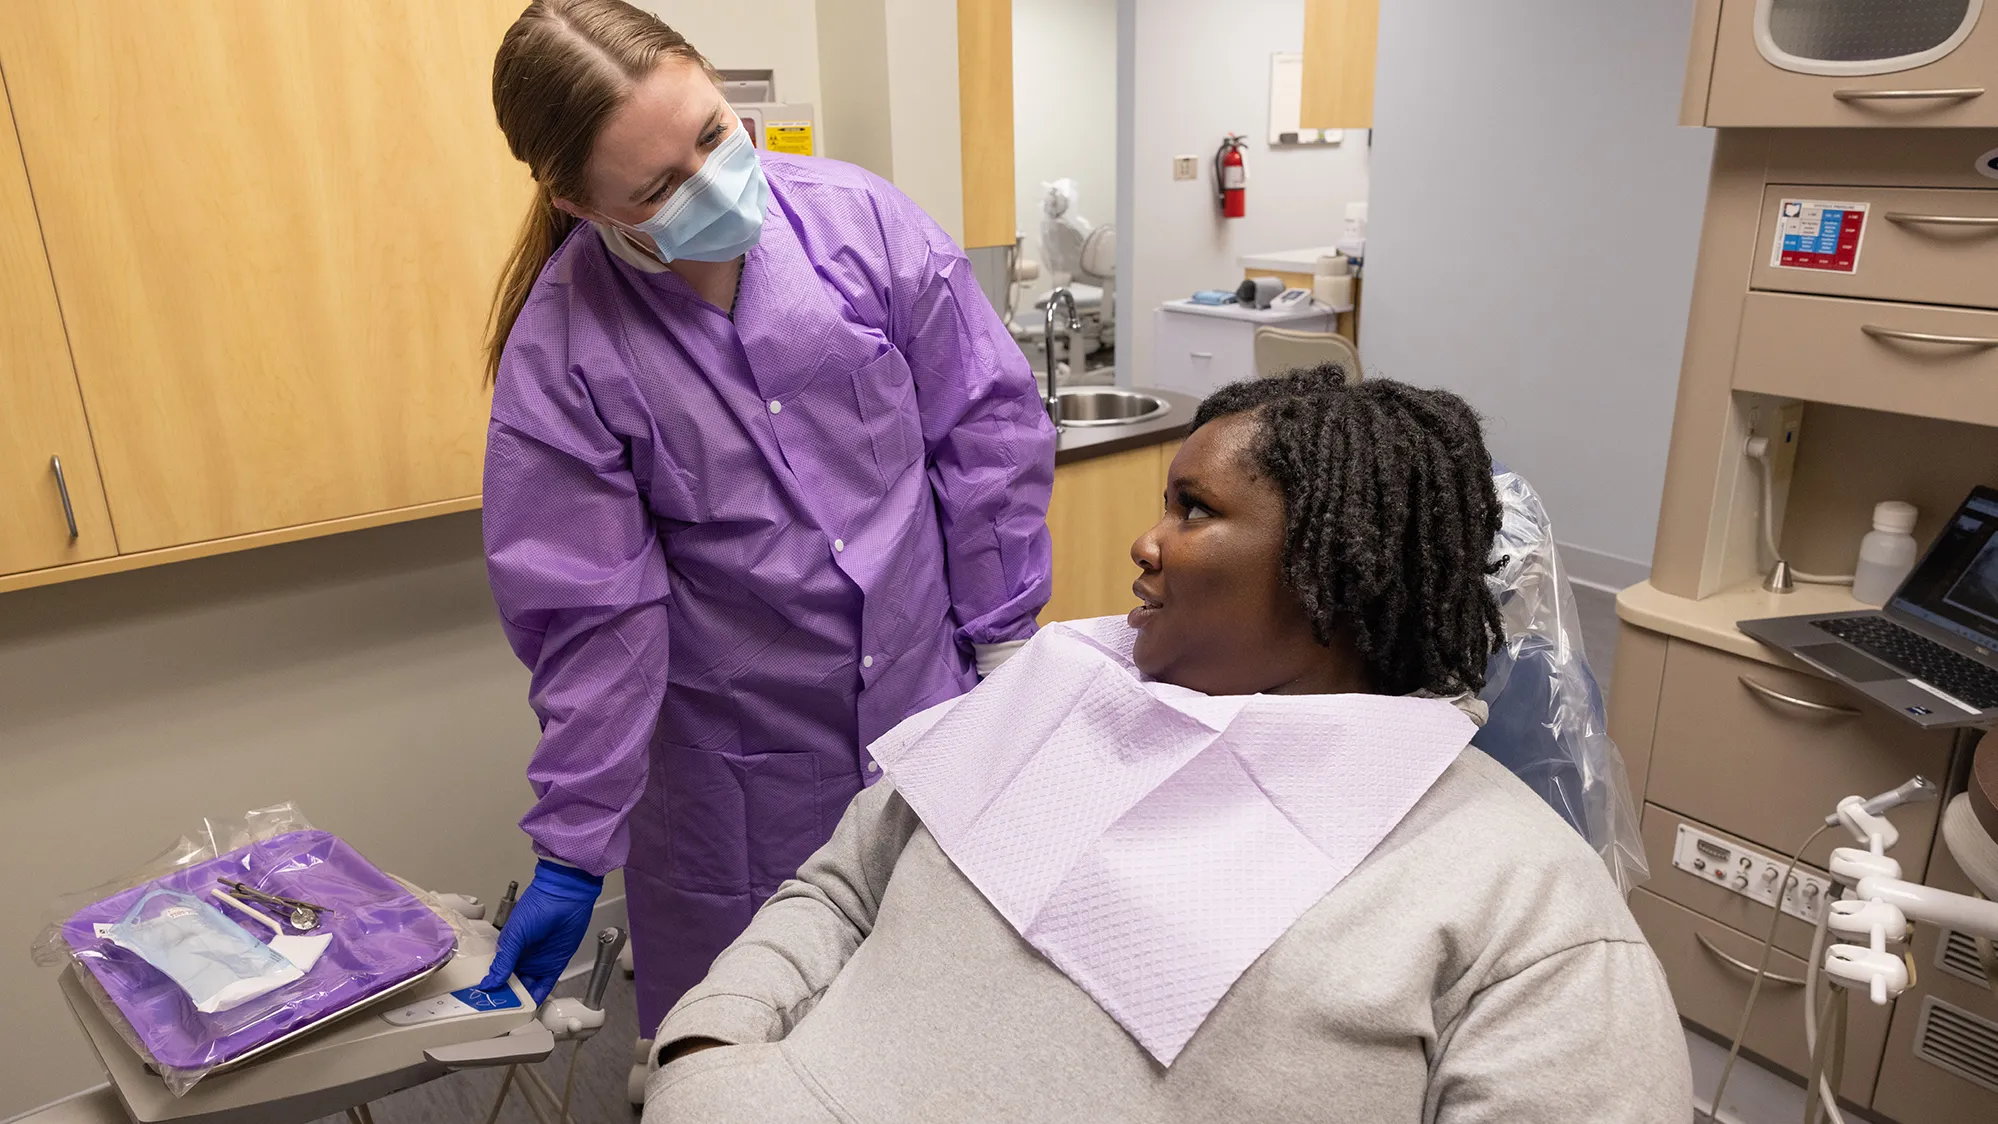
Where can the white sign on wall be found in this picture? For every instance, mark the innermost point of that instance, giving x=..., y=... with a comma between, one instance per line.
x=1286, y=105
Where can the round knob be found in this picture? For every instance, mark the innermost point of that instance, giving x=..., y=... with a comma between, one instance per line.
x=1769, y=874
x=1741, y=881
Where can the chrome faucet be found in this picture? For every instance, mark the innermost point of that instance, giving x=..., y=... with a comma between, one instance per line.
x=1057, y=296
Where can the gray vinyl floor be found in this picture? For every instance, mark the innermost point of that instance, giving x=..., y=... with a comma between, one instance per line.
x=605, y=1061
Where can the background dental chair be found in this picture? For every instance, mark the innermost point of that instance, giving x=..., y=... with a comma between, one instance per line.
x=1547, y=722
x=1080, y=256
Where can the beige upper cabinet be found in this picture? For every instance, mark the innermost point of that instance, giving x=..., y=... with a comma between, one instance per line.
x=273, y=228
x=41, y=413
x=1851, y=64
x=1338, y=80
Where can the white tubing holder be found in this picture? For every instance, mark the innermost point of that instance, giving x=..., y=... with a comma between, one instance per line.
x=570, y=1019
x=1879, y=907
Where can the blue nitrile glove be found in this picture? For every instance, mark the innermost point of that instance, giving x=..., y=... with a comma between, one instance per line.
x=545, y=929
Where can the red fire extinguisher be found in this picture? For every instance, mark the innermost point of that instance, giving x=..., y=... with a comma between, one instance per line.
x=1231, y=177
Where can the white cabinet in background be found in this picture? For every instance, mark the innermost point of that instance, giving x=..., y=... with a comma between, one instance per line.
x=1198, y=349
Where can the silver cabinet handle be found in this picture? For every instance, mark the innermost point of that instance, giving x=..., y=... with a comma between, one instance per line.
x=1202, y=354
x=1774, y=695
x=1743, y=966
x=1963, y=93
x=1880, y=333
x=1942, y=220
x=62, y=486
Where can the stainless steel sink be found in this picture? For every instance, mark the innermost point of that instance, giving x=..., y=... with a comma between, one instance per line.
x=1091, y=407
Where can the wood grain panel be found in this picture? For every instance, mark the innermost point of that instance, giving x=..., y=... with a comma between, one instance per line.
x=1338, y=81
x=1099, y=508
x=41, y=412
x=120, y=563
x=985, y=114
x=274, y=228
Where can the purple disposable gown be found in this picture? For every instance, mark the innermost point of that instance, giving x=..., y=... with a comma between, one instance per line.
x=733, y=553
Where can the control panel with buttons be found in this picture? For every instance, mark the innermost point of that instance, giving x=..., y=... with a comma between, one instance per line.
x=1749, y=873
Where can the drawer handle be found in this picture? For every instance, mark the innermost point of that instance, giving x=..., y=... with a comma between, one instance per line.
x=1963, y=93
x=1942, y=220
x=1202, y=354
x=1743, y=966
x=1880, y=333
x=62, y=488
x=1774, y=695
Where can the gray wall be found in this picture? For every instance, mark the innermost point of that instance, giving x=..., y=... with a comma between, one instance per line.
x=1534, y=220
x=363, y=676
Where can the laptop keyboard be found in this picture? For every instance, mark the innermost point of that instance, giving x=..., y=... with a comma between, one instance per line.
x=1921, y=657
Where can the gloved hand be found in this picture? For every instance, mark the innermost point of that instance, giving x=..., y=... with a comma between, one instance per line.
x=545, y=928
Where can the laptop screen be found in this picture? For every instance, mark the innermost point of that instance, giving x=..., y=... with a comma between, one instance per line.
x=1956, y=586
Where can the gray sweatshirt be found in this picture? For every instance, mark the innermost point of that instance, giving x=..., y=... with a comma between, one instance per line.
x=1477, y=966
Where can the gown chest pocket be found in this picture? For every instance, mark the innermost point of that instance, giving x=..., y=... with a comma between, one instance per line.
x=884, y=395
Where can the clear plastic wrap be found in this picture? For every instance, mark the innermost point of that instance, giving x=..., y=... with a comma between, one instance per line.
x=1547, y=721
x=144, y=945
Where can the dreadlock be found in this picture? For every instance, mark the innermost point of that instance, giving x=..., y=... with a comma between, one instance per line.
x=1389, y=517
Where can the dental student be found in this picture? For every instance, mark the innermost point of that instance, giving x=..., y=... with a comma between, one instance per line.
x=765, y=476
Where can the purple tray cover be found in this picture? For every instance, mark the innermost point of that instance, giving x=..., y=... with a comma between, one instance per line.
x=382, y=936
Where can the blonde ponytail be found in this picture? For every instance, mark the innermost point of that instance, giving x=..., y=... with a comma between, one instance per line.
x=541, y=234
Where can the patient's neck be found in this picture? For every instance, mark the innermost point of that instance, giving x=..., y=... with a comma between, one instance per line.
x=1334, y=669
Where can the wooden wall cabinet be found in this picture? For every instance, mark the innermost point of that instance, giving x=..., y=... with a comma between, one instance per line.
x=1801, y=63
x=41, y=412
x=273, y=229
x=1099, y=508
x=1340, y=37
x=985, y=115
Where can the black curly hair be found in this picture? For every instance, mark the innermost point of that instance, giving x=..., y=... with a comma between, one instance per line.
x=1389, y=517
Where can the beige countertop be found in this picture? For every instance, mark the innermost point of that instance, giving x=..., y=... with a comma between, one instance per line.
x=1711, y=621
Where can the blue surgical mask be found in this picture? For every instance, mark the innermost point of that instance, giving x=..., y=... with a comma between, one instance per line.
x=717, y=214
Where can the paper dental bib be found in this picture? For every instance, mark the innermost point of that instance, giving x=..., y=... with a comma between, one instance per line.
x=1151, y=841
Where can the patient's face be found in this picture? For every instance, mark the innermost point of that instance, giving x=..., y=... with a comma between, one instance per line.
x=1215, y=614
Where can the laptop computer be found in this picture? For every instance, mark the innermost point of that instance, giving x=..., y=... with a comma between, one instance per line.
x=1931, y=655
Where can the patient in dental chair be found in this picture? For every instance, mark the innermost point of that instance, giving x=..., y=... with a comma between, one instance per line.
x=1232, y=858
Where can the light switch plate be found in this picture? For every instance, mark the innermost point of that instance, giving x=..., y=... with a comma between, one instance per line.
x=1185, y=167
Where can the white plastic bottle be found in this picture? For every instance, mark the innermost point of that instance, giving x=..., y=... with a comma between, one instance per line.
x=1886, y=554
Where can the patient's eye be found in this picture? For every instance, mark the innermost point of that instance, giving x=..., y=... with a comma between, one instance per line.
x=1190, y=506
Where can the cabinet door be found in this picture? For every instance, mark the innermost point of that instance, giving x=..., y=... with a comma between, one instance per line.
x=1338, y=80
x=274, y=228
x=41, y=414
x=1099, y=508
x=1855, y=64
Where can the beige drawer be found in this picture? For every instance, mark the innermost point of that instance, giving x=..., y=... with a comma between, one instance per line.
x=1770, y=771
x=1710, y=991
x=1928, y=246
x=1829, y=349
x=1963, y=1035
x=1702, y=895
x=1749, y=90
